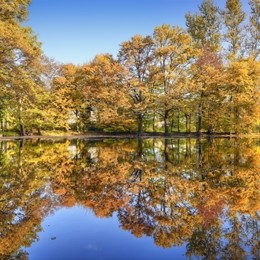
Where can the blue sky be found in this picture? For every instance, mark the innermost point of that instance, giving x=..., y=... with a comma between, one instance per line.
x=74, y=31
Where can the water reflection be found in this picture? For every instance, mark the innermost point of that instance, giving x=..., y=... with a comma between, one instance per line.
x=177, y=191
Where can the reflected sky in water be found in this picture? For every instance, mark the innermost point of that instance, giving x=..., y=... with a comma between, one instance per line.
x=96, y=238
x=129, y=199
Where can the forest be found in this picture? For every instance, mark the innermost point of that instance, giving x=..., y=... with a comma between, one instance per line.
x=203, y=79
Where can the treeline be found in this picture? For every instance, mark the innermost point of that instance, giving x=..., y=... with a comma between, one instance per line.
x=202, y=79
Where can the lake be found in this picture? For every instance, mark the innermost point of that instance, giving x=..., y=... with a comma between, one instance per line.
x=130, y=199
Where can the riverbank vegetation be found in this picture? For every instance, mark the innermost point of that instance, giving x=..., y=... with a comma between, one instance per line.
x=201, y=79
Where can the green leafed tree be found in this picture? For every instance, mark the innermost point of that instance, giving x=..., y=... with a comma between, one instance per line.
x=253, y=39
x=14, y=11
x=204, y=27
x=233, y=17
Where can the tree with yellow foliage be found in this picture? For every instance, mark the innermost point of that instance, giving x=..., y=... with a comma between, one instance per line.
x=20, y=61
x=174, y=53
x=136, y=56
x=242, y=95
x=103, y=85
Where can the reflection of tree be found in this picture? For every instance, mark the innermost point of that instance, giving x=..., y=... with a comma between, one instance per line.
x=176, y=191
x=25, y=193
x=205, y=242
x=173, y=204
x=20, y=201
x=234, y=248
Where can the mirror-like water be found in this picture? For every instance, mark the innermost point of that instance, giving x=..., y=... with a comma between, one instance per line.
x=130, y=199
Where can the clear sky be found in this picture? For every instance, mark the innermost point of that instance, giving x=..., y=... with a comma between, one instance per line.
x=76, y=30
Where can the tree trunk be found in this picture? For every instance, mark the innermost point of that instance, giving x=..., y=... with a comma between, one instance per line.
x=199, y=126
x=165, y=119
x=189, y=118
x=172, y=123
x=200, y=161
x=178, y=146
x=166, y=155
x=22, y=130
x=186, y=122
x=2, y=126
x=178, y=126
x=140, y=124
x=20, y=120
x=20, y=161
x=154, y=123
x=140, y=148
x=236, y=120
x=77, y=120
x=187, y=148
x=39, y=131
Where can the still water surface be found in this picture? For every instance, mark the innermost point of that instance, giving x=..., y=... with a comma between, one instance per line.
x=129, y=199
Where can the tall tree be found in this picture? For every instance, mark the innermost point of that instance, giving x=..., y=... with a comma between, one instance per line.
x=174, y=52
x=253, y=43
x=234, y=17
x=204, y=27
x=207, y=78
x=64, y=89
x=20, y=59
x=136, y=56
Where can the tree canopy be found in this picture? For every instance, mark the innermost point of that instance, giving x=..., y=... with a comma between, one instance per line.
x=204, y=79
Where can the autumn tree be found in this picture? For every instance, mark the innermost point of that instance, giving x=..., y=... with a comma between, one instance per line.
x=207, y=78
x=20, y=58
x=43, y=113
x=68, y=99
x=102, y=81
x=242, y=94
x=173, y=55
x=233, y=17
x=136, y=56
x=165, y=80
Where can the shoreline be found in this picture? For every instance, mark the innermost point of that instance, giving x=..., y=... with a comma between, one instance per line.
x=127, y=135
